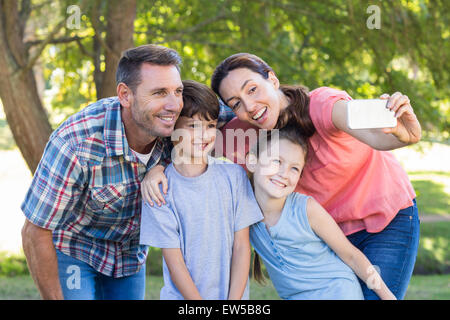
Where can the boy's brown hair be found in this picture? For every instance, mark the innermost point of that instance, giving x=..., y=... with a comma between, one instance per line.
x=199, y=99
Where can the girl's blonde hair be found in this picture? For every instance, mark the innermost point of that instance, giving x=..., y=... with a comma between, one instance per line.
x=291, y=133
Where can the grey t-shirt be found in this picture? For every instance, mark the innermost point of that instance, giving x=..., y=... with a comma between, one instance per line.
x=201, y=216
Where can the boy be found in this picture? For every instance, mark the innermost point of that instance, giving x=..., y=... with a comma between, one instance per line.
x=203, y=228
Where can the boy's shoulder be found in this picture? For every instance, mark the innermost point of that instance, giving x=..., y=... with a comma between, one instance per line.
x=227, y=166
x=223, y=160
x=220, y=160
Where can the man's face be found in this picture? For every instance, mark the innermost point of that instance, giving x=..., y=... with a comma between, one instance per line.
x=157, y=100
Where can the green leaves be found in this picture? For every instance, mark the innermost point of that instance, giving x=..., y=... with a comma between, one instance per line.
x=314, y=43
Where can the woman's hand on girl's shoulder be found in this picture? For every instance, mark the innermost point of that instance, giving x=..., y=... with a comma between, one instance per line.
x=150, y=185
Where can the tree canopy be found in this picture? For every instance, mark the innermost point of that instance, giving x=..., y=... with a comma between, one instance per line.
x=314, y=43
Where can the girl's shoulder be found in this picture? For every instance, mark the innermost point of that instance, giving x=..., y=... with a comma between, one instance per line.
x=296, y=214
x=297, y=198
x=296, y=206
x=223, y=168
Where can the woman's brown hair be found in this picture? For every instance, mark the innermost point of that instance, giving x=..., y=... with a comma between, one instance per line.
x=298, y=109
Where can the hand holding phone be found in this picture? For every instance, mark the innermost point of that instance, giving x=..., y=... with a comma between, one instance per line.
x=370, y=113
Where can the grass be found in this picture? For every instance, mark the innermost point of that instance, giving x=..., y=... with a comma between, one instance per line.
x=432, y=190
x=434, y=254
x=18, y=288
x=257, y=292
x=434, y=287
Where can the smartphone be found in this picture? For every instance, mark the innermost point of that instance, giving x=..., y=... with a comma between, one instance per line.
x=370, y=113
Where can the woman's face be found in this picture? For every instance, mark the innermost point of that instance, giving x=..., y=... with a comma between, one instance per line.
x=253, y=98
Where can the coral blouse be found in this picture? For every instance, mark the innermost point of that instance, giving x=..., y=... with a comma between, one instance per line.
x=362, y=188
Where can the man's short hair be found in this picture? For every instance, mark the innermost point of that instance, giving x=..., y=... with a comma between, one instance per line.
x=129, y=68
x=199, y=99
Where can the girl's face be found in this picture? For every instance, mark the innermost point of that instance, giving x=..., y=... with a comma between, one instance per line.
x=277, y=175
x=253, y=98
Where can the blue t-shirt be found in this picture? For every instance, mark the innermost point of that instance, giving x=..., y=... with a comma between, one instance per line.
x=300, y=264
x=201, y=216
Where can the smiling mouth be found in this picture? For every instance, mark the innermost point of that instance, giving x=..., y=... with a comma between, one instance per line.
x=167, y=118
x=278, y=183
x=202, y=145
x=259, y=114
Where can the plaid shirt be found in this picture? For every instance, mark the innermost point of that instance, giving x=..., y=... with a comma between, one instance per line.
x=225, y=114
x=86, y=189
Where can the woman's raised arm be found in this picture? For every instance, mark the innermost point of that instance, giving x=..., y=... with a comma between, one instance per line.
x=408, y=130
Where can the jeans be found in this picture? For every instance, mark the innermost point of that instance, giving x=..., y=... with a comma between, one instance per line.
x=393, y=250
x=79, y=281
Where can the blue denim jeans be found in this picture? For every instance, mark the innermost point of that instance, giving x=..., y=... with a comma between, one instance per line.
x=79, y=281
x=393, y=251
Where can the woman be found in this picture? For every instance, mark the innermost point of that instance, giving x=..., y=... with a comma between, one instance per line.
x=348, y=172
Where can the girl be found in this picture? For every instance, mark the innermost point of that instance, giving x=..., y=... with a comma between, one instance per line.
x=306, y=254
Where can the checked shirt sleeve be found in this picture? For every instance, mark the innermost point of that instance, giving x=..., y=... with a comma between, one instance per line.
x=56, y=186
x=225, y=114
x=166, y=155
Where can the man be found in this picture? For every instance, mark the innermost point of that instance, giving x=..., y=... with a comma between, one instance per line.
x=81, y=235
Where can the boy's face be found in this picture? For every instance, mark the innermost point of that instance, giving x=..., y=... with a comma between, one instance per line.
x=194, y=137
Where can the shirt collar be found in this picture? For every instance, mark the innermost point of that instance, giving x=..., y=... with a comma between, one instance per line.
x=115, y=139
x=114, y=132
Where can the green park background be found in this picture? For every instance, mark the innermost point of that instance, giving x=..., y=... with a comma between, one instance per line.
x=56, y=57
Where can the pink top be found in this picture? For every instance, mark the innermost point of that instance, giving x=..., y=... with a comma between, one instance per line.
x=361, y=188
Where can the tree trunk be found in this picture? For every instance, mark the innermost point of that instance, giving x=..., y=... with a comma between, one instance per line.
x=25, y=114
x=119, y=37
x=23, y=108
